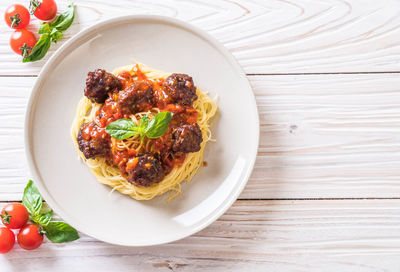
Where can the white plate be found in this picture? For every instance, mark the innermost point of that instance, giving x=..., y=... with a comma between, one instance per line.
x=68, y=185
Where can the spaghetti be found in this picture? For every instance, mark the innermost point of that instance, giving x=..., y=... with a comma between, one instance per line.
x=110, y=174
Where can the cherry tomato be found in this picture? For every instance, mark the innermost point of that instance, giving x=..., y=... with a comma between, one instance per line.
x=44, y=10
x=30, y=237
x=17, y=16
x=7, y=240
x=14, y=215
x=22, y=41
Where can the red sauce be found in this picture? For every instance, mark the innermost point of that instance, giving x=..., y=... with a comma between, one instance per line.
x=111, y=111
x=139, y=73
x=94, y=132
x=125, y=78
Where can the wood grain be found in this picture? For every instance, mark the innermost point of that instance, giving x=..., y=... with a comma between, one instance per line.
x=322, y=136
x=267, y=37
x=327, y=136
x=324, y=235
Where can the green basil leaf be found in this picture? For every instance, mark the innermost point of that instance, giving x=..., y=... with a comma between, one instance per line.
x=144, y=122
x=56, y=35
x=40, y=49
x=122, y=129
x=45, y=208
x=43, y=219
x=159, y=124
x=63, y=21
x=32, y=199
x=60, y=232
x=44, y=28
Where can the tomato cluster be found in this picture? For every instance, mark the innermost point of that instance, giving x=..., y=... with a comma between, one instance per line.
x=15, y=216
x=18, y=17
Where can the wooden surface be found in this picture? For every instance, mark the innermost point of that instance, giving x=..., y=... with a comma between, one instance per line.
x=254, y=235
x=325, y=191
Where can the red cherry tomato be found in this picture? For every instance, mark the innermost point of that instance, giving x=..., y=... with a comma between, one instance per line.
x=17, y=16
x=22, y=41
x=7, y=240
x=30, y=237
x=14, y=215
x=44, y=10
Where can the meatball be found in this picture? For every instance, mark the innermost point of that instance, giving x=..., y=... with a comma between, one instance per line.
x=148, y=170
x=93, y=141
x=187, y=138
x=99, y=83
x=181, y=89
x=138, y=97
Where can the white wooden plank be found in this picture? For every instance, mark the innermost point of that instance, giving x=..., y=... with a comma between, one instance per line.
x=275, y=36
x=14, y=94
x=321, y=136
x=325, y=235
x=327, y=136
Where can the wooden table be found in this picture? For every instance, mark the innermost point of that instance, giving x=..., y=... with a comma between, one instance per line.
x=325, y=191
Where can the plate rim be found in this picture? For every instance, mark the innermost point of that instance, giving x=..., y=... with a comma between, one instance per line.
x=123, y=20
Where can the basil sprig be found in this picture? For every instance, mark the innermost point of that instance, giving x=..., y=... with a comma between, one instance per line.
x=60, y=232
x=124, y=128
x=32, y=199
x=55, y=231
x=51, y=32
x=64, y=20
x=40, y=49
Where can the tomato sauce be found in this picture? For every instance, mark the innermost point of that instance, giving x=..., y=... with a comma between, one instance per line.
x=112, y=110
x=94, y=132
